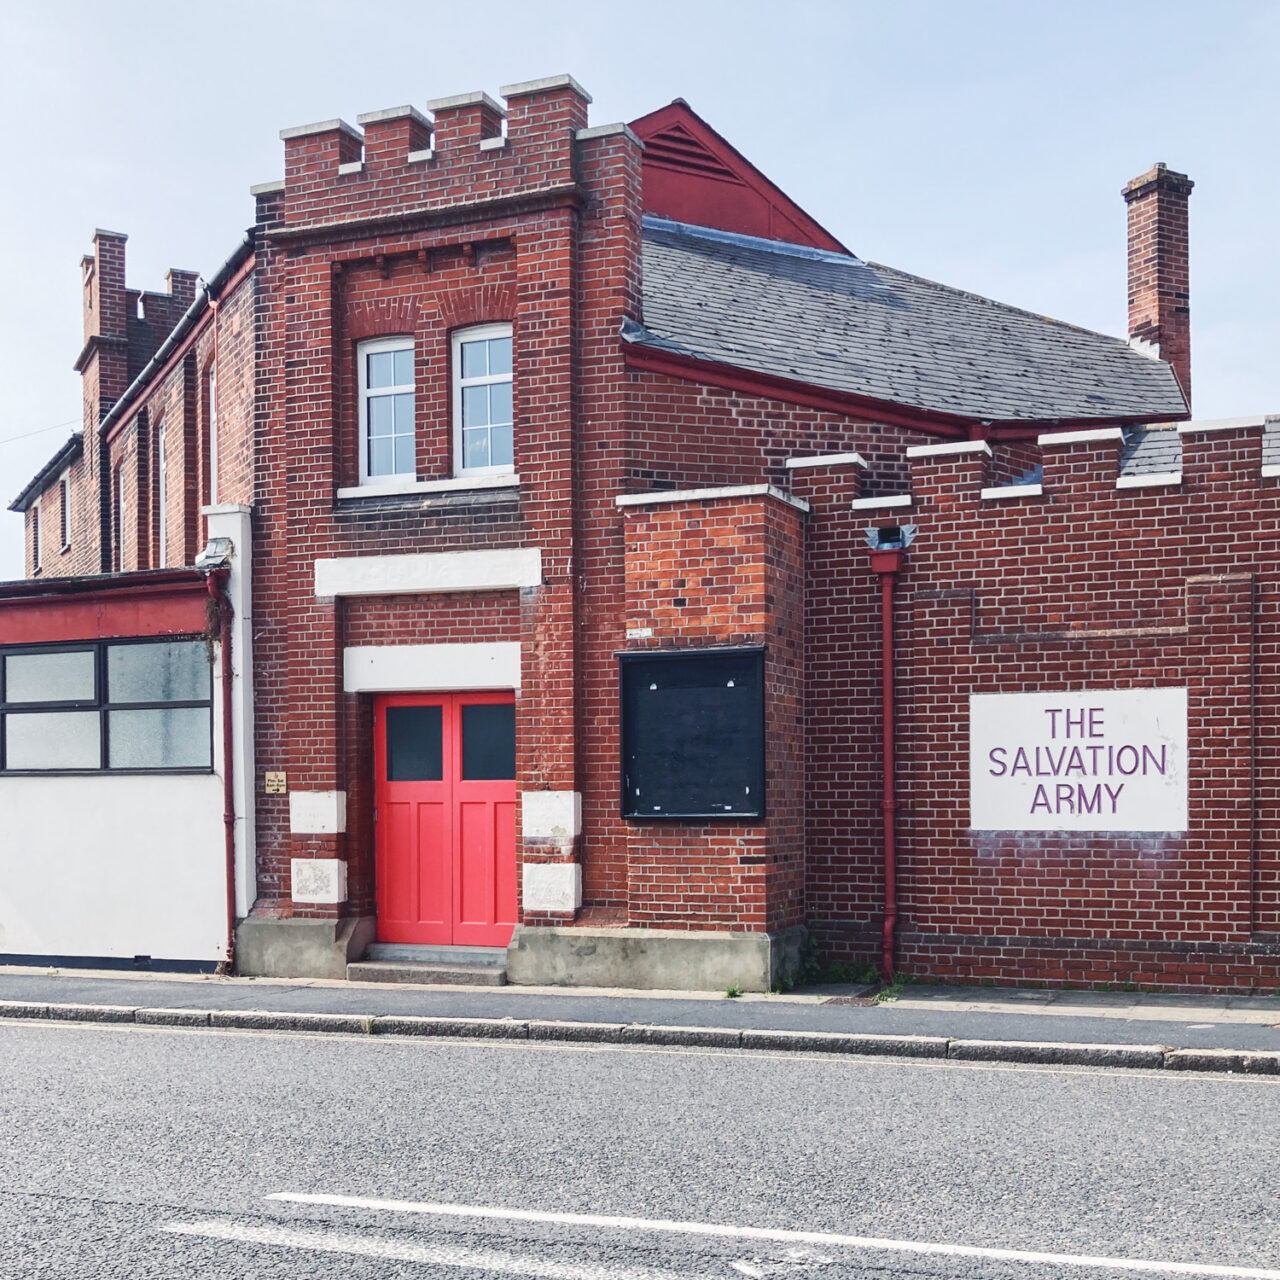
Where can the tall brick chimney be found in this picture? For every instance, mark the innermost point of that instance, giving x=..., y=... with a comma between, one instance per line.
x=1159, y=268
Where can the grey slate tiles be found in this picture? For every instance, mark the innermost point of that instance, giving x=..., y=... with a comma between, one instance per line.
x=869, y=330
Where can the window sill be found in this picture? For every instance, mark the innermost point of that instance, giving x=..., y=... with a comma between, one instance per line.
x=407, y=488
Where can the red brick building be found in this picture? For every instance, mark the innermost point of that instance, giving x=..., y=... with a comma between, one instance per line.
x=608, y=577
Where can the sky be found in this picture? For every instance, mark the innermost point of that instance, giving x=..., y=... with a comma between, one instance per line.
x=981, y=143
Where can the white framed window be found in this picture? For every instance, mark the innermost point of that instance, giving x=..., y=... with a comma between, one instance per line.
x=162, y=499
x=482, y=404
x=387, y=436
x=35, y=538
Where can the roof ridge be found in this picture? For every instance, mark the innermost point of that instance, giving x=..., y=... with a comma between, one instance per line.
x=1001, y=306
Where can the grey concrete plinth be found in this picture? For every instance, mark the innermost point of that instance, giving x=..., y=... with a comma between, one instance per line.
x=651, y=959
x=267, y=947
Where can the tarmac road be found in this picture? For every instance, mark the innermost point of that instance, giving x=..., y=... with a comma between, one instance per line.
x=153, y=1152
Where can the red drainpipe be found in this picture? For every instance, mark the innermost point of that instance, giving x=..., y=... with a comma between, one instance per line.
x=217, y=583
x=887, y=564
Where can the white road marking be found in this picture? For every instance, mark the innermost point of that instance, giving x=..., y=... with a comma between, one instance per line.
x=778, y=1236
x=439, y=1255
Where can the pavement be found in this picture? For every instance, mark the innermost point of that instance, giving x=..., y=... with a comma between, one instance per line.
x=1178, y=1031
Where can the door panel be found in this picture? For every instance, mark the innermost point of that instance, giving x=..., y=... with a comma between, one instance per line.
x=445, y=820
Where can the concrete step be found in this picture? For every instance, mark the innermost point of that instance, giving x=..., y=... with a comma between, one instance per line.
x=471, y=975
x=407, y=953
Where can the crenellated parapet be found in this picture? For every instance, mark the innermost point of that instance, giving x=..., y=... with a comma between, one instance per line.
x=463, y=150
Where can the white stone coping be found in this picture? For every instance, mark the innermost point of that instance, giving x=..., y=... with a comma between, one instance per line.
x=1014, y=491
x=352, y=166
x=1152, y=480
x=615, y=130
x=426, y=668
x=828, y=460
x=417, y=157
x=110, y=235
x=321, y=126
x=1080, y=437
x=477, y=98
x=1271, y=471
x=659, y=496
x=526, y=87
x=227, y=509
x=952, y=446
x=426, y=572
x=875, y=504
x=455, y=484
x=1222, y=424
x=267, y=188
x=492, y=144
x=405, y=112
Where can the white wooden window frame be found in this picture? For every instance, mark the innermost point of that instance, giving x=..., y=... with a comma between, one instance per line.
x=403, y=342
x=473, y=334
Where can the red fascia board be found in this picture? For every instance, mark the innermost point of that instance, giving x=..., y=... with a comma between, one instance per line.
x=769, y=386
x=42, y=613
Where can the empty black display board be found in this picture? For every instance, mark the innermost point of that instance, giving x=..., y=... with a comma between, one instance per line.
x=693, y=734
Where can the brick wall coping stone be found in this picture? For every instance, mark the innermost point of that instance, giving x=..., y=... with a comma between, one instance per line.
x=526, y=87
x=1152, y=481
x=1080, y=437
x=952, y=446
x=1223, y=424
x=618, y=128
x=876, y=504
x=267, y=188
x=476, y=98
x=828, y=460
x=453, y=484
x=321, y=126
x=1014, y=491
x=697, y=495
x=393, y=113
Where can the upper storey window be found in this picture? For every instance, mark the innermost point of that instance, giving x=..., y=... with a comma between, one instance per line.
x=482, y=409
x=386, y=409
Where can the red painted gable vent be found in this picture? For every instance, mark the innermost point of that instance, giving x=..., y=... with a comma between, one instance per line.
x=676, y=149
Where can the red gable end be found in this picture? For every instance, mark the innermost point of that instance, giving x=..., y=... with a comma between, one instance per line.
x=691, y=174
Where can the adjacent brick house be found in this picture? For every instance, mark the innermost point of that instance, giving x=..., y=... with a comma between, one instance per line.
x=607, y=565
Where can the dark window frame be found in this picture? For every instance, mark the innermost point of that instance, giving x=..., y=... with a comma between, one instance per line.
x=97, y=703
x=635, y=658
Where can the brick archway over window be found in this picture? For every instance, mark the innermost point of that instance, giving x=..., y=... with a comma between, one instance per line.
x=382, y=318
x=488, y=304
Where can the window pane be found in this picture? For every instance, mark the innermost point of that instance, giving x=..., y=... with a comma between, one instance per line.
x=414, y=738
x=403, y=414
x=382, y=458
x=175, y=671
x=500, y=402
x=500, y=447
x=475, y=406
x=488, y=742
x=404, y=456
x=474, y=361
x=52, y=740
x=166, y=738
x=49, y=677
x=381, y=369
x=475, y=447
x=382, y=415
x=403, y=368
x=499, y=355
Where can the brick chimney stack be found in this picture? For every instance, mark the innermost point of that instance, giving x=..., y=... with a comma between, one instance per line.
x=1159, y=268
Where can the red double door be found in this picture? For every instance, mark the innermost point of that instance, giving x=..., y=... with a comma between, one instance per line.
x=445, y=796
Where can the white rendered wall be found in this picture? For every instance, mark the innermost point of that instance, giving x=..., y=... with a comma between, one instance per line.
x=113, y=866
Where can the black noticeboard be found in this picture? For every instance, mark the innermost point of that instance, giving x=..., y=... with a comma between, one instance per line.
x=693, y=734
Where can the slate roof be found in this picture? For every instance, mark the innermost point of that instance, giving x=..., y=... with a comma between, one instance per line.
x=837, y=322
x=1158, y=450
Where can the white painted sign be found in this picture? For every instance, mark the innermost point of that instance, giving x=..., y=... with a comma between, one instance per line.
x=1087, y=760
